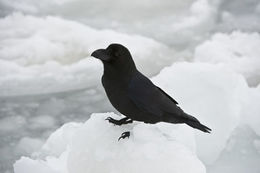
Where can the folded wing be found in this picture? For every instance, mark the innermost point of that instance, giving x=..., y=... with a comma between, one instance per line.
x=150, y=98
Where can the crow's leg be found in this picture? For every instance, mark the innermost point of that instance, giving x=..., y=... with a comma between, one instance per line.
x=125, y=120
x=124, y=135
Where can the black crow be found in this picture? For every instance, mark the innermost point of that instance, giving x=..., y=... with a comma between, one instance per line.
x=134, y=95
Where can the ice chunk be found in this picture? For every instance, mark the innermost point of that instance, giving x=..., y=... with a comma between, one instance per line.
x=173, y=22
x=241, y=154
x=212, y=94
x=238, y=51
x=28, y=145
x=93, y=147
x=257, y=145
x=43, y=55
x=27, y=165
x=12, y=123
x=42, y=121
x=250, y=110
x=239, y=15
x=58, y=141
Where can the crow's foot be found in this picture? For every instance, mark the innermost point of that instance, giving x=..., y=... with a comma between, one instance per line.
x=124, y=135
x=125, y=120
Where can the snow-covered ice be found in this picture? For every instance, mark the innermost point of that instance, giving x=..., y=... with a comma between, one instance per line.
x=250, y=110
x=241, y=154
x=218, y=97
x=181, y=22
x=93, y=147
x=45, y=55
x=238, y=51
x=212, y=94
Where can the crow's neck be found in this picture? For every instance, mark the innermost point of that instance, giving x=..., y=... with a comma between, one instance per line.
x=119, y=72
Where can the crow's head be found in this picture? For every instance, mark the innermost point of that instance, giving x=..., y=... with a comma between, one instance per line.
x=116, y=58
x=113, y=54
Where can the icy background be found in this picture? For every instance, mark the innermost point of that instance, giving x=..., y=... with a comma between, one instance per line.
x=204, y=53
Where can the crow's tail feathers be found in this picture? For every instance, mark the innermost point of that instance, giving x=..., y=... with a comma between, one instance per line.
x=199, y=126
x=193, y=122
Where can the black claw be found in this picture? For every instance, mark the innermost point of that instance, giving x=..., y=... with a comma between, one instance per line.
x=119, y=122
x=108, y=118
x=111, y=120
x=124, y=135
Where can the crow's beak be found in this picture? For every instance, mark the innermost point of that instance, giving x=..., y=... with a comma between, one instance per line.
x=101, y=54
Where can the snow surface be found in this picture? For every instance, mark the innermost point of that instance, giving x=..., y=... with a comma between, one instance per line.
x=210, y=93
x=214, y=94
x=182, y=22
x=238, y=51
x=54, y=54
x=93, y=147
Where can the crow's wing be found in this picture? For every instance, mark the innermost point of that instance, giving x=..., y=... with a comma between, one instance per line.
x=174, y=101
x=150, y=98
